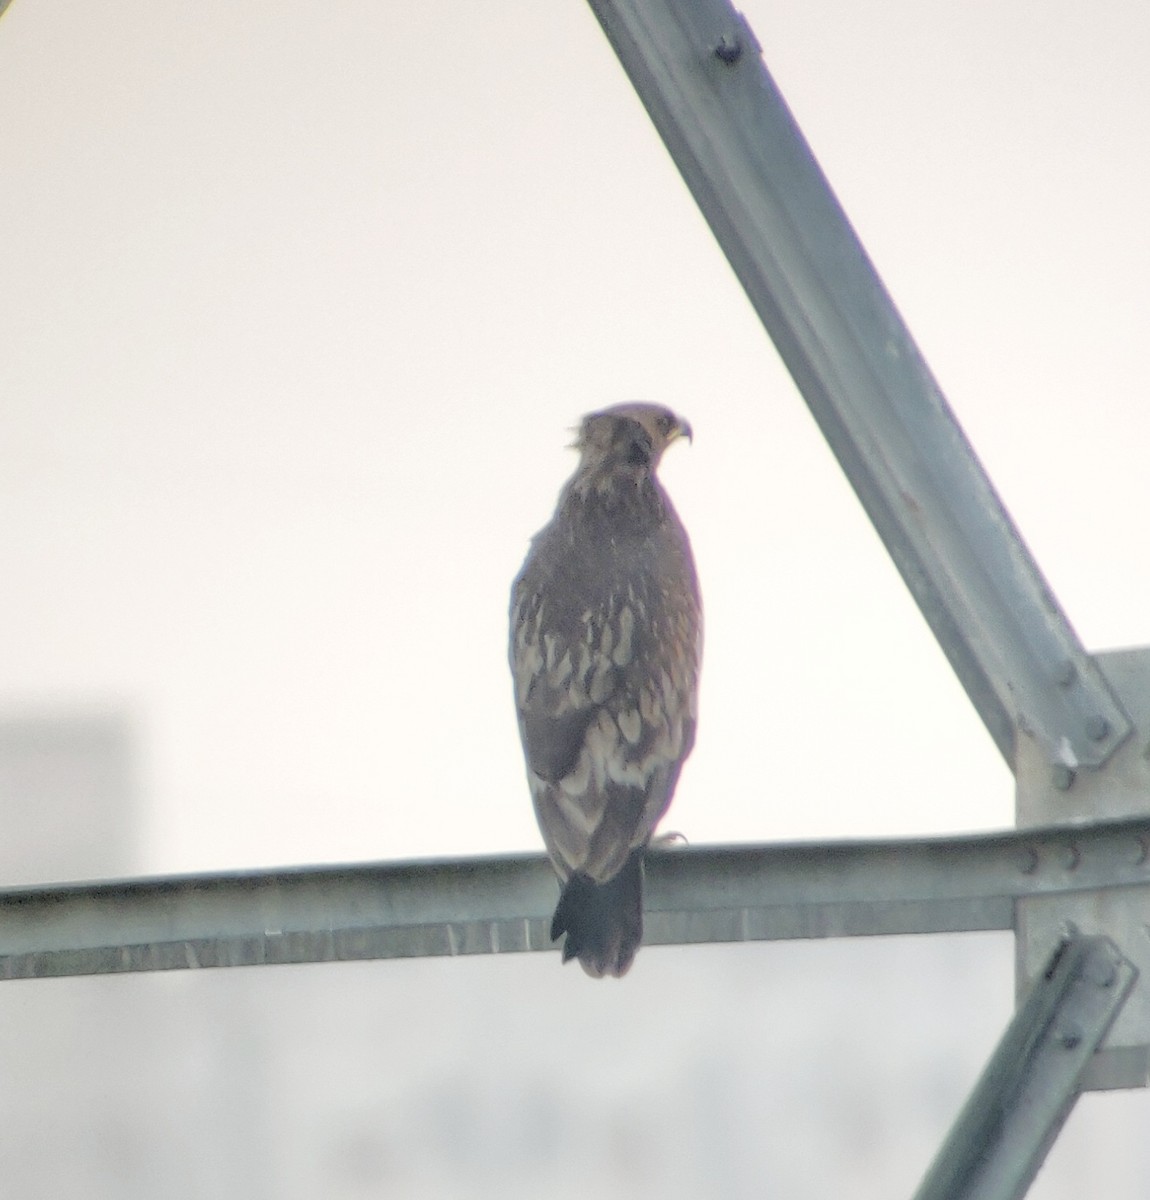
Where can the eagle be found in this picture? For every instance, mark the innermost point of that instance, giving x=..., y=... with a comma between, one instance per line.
x=606, y=645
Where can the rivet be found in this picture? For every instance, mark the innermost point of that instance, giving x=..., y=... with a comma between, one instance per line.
x=1071, y=856
x=1070, y=1037
x=1062, y=777
x=1066, y=674
x=729, y=50
x=1097, y=728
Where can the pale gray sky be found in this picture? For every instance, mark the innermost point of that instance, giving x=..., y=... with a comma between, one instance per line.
x=300, y=301
x=300, y=307
x=299, y=311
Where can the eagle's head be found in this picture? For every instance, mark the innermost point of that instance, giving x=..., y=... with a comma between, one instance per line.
x=625, y=442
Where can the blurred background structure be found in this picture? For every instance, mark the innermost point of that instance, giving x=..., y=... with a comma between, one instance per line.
x=299, y=304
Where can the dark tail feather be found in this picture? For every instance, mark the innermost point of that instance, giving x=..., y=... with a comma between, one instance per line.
x=603, y=921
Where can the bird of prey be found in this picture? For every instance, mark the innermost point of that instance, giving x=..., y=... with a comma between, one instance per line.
x=606, y=641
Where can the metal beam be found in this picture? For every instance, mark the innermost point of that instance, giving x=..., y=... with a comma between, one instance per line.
x=696, y=67
x=1033, y=1079
x=503, y=904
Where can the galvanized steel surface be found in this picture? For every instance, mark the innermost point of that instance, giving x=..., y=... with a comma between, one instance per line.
x=1121, y=789
x=696, y=65
x=503, y=904
x=1034, y=1078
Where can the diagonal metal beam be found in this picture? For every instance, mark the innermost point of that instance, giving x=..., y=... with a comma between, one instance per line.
x=697, y=69
x=503, y=904
x=1033, y=1079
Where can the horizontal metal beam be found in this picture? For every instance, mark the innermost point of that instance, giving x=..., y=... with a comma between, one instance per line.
x=1034, y=1078
x=697, y=69
x=503, y=904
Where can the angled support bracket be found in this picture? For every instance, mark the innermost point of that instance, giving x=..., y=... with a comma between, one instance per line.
x=697, y=68
x=1034, y=1077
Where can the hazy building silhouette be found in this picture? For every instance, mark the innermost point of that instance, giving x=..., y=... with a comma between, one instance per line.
x=67, y=796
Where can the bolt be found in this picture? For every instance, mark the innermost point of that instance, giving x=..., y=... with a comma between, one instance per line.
x=729, y=50
x=1070, y=1037
x=1030, y=861
x=1097, y=728
x=1071, y=857
x=1066, y=673
x=1062, y=777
